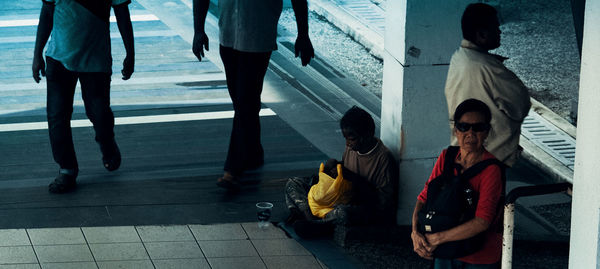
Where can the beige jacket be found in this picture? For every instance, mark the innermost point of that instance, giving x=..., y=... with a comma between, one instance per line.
x=474, y=73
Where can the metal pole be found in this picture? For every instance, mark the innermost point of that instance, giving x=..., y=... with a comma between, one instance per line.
x=509, y=214
x=507, y=235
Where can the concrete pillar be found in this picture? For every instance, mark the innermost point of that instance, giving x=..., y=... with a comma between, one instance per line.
x=585, y=225
x=420, y=38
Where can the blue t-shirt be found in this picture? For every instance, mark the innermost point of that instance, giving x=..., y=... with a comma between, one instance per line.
x=80, y=37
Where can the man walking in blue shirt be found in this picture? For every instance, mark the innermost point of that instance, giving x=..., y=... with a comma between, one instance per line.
x=80, y=50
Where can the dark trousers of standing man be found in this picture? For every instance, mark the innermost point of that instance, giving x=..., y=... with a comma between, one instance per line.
x=95, y=91
x=245, y=72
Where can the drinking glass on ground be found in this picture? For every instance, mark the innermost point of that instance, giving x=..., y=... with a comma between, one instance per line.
x=263, y=212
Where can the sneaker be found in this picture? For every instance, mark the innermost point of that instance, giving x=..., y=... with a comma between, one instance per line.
x=311, y=229
x=63, y=183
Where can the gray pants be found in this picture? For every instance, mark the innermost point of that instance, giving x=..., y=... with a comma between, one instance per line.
x=296, y=196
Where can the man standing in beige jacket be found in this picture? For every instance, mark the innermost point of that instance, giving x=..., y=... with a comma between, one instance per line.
x=476, y=73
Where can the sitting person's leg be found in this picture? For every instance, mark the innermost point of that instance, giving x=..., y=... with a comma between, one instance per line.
x=349, y=215
x=296, y=198
x=324, y=227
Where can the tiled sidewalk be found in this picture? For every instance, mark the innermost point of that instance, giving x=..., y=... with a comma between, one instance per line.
x=238, y=245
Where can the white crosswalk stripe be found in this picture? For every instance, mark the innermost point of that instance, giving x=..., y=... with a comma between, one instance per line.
x=34, y=22
x=215, y=115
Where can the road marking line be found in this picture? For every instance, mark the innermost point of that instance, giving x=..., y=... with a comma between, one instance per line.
x=12, y=23
x=28, y=126
x=34, y=22
x=113, y=35
x=145, y=17
x=134, y=80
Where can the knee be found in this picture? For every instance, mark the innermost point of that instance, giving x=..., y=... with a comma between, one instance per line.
x=290, y=185
x=292, y=181
x=56, y=113
x=340, y=214
x=97, y=109
x=248, y=104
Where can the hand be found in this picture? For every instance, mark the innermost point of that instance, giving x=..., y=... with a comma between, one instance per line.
x=330, y=164
x=420, y=245
x=38, y=66
x=200, y=40
x=305, y=49
x=128, y=65
x=434, y=240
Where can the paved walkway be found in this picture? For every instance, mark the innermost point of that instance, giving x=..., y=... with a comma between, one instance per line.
x=235, y=245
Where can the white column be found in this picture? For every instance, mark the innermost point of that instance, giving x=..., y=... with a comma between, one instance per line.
x=420, y=38
x=584, y=252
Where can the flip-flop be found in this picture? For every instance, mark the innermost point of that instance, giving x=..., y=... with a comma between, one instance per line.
x=230, y=184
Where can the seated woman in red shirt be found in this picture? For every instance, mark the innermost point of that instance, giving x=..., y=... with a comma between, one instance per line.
x=471, y=127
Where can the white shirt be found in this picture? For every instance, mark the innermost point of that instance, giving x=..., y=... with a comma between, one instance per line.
x=474, y=73
x=249, y=25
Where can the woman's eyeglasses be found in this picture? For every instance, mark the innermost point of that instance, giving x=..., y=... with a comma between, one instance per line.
x=477, y=127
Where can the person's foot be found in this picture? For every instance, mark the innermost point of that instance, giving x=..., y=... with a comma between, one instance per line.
x=313, y=229
x=63, y=183
x=111, y=156
x=228, y=181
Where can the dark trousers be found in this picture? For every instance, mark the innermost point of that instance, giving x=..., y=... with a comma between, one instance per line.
x=95, y=90
x=456, y=264
x=245, y=72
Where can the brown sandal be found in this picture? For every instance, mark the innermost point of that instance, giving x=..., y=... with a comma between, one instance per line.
x=228, y=181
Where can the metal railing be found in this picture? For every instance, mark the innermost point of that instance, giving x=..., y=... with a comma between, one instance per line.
x=509, y=214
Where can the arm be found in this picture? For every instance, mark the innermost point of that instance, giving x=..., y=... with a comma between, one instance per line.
x=420, y=244
x=303, y=45
x=387, y=188
x=126, y=30
x=377, y=194
x=43, y=33
x=460, y=232
x=363, y=193
x=490, y=191
x=351, y=176
x=511, y=95
x=200, y=37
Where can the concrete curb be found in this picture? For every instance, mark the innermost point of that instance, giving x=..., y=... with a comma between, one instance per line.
x=350, y=25
x=554, y=118
x=535, y=155
x=557, y=171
